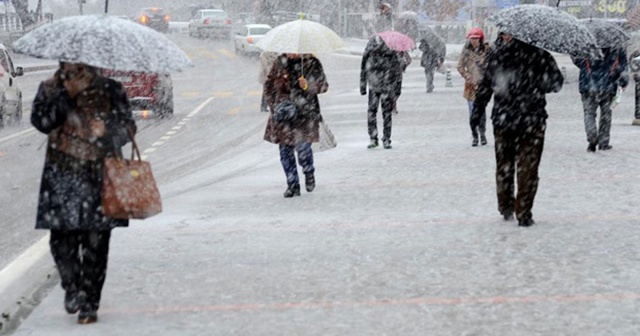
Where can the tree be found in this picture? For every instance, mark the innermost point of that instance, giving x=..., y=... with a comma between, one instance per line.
x=22, y=9
x=442, y=10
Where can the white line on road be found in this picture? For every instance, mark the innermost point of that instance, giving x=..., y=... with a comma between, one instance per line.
x=18, y=267
x=21, y=133
x=200, y=107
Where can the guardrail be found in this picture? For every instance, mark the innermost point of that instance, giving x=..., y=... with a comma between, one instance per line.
x=176, y=27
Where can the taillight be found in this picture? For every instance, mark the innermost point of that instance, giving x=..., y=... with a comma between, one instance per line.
x=227, y=21
x=166, y=18
x=143, y=19
x=207, y=21
x=250, y=39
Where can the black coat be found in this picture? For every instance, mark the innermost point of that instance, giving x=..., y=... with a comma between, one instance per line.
x=381, y=68
x=70, y=191
x=431, y=58
x=603, y=75
x=519, y=76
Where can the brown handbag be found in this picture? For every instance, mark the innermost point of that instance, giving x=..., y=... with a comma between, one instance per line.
x=129, y=190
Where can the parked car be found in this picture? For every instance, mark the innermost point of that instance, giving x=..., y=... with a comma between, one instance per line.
x=146, y=91
x=210, y=23
x=10, y=93
x=155, y=18
x=246, y=38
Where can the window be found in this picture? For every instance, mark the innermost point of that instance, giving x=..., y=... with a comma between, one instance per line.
x=259, y=31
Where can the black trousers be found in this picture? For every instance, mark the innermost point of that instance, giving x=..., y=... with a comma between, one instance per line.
x=81, y=259
x=518, y=151
x=386, y=100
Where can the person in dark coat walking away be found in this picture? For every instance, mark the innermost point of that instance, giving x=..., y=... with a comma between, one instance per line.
x=298, y=78
x=385, y=21
x=471, y=65
x=87, y=118
x=430, y=60
x=519, y=76
x=599, y=81
x=381, y=70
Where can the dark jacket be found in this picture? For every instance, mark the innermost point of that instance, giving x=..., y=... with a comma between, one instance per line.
x=431, y=57
x=381, y=68
x=519, y=76
x=70, y=191
x=603, y=75
x=282, y=84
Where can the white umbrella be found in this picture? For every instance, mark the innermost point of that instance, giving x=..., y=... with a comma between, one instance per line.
x=301, y=37
x=106, y=42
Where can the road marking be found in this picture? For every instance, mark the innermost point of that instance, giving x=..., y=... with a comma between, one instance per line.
x=209, y=55
x=191, y=94
x=177, y=128
x=220, y=94
x=254, y=93
x=165, y=138
x=234, y=111
x=21, y=133
x=200, y=107
x=228, y=53
x=157, y=143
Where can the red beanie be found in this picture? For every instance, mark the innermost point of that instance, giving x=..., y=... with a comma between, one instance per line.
x=476, y=32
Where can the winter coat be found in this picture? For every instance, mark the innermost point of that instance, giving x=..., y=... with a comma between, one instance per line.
x=384, y=22
x=431, y=58
x=604, y=75
x=282, y=84
x=519, y=76
x=70, y=190
x=381, y=68
x=266, y=62
x=471, y=66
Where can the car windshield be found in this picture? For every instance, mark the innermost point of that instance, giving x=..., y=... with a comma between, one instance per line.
x=214, y=14
x=259, y=30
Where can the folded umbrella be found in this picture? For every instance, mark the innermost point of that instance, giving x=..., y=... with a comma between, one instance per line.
x=547, y=28
x=106, y=42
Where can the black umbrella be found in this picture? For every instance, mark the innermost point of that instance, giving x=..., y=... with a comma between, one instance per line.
x=433, y=40
x=606, y=33
x=547, y=28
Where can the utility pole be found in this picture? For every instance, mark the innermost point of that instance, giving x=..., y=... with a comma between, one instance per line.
x=106, y=6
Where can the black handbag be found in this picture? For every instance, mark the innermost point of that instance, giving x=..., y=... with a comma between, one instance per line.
x=285, y=111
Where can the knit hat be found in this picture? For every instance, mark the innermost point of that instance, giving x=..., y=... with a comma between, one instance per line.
x=476, y=33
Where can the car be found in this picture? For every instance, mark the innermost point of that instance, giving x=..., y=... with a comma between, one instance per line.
x=155, y=18
x=146, y=91
x=210, y=23
x=246, y=38
x=10, y=93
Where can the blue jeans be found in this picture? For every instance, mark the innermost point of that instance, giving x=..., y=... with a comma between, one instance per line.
x=288, y=160
x=482, y=127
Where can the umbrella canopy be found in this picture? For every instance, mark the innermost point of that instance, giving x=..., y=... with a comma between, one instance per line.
x=407, y=23
x=397, y=41
x=104, y=41
x=300, y=37
x=606, y=33
x=547, y=28
x=433, y=40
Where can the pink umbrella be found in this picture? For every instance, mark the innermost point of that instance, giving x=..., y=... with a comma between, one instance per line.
x=397, y=41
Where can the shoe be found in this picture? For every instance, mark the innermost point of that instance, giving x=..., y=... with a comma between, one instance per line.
x=293, y=190
x=604, y=147
x=507, y=215
x=309, y=182
x=373, y=144
x=483, y=140
x=591, y=148
x=526, y=222
x=87, y=315
x=71, y=301
x=386, y=144
x=474, y=142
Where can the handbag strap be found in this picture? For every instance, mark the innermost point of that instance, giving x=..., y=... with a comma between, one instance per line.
x=134, y=145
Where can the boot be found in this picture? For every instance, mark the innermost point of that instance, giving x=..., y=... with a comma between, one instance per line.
x=483, y=140
x=373, y=143
x=386, y=144
x=474, y=142
x=71, y=301
x=88, y=314
x=292, y=190
x=309, y=182
x=591, y=148
x=526, y=222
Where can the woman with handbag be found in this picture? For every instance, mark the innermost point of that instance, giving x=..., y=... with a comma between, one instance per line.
x=291, y=91
x=471, y=65
x=87, y=117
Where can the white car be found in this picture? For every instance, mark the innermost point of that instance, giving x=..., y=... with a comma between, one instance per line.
x=10, y=93
x=246, y=38
x=210, y=23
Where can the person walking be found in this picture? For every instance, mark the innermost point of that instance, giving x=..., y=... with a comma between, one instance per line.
x=298, y=79
x=87, y=117
x=599, y=81
x=266, y=62
x=525, y=75
x=381, y=70
x=471, y=65
x=430, y=60
x=385, y=21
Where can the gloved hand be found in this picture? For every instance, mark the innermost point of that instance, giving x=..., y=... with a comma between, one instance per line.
x=363, y=90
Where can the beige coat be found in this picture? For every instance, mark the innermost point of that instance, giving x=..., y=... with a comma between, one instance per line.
x=471, y=65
